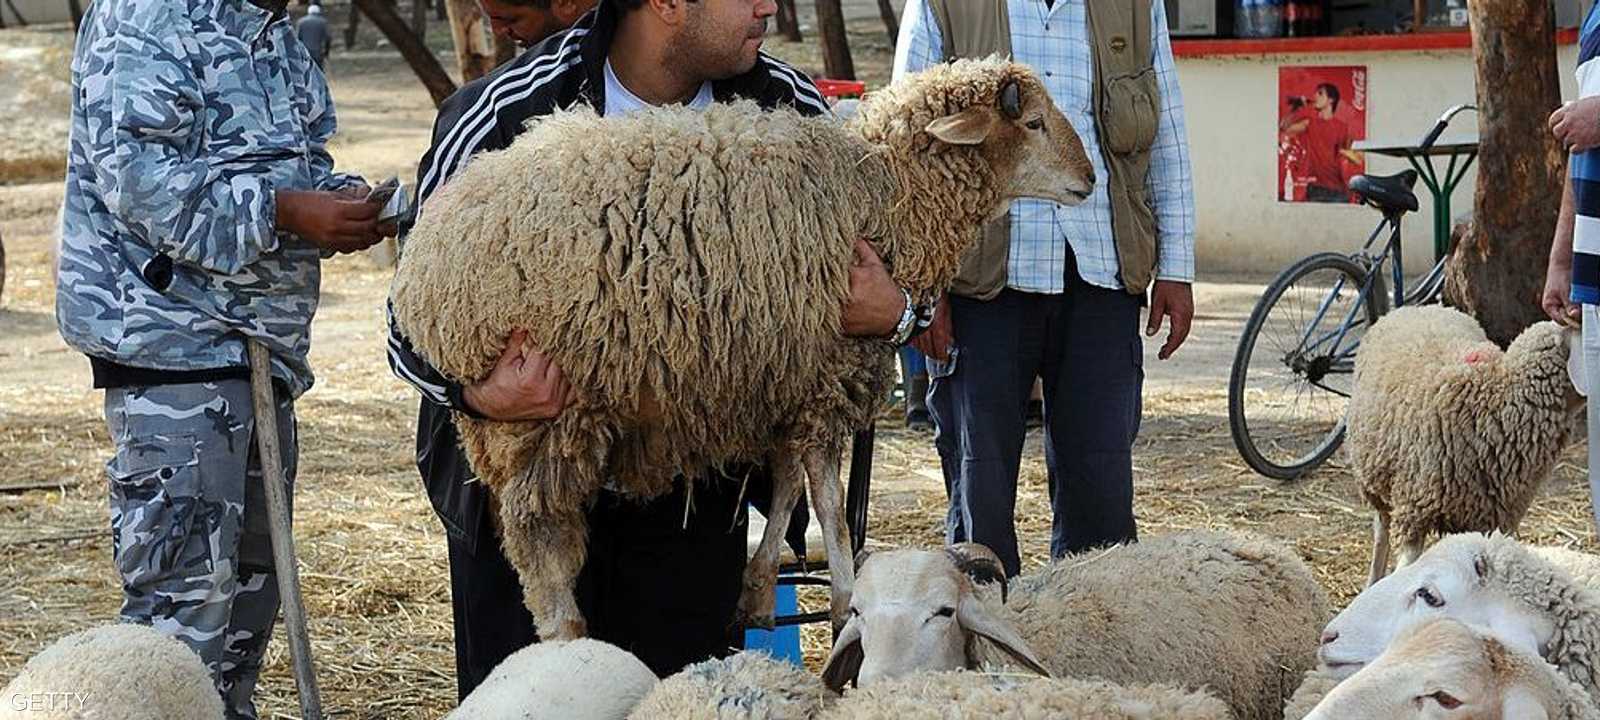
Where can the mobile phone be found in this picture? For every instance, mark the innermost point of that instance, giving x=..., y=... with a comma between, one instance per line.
x=383, y=192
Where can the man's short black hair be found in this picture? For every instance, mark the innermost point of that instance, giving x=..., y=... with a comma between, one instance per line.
x=1332, y=92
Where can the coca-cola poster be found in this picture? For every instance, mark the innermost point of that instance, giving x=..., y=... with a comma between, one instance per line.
x=1322, y=113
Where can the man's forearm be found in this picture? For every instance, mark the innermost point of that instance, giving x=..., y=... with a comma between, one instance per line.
x=1561, y=248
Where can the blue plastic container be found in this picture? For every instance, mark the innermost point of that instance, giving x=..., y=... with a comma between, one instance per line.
x=784, y=642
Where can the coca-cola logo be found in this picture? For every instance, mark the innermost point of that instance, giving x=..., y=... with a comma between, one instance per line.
x=1358, y=90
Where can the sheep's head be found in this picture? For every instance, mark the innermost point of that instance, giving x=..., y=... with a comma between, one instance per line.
x=916, y=610
x=1460, y=577
x=1547, y=352
x=1444, y=669
x=992, y=116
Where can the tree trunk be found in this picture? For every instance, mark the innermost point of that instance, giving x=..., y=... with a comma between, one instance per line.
x=788, y=21
x=835, y=46
x=439, y=12
x=886, y=9
x=350, y=29
x=419, y=18
x=411, y=47
x=1497, y=272
x=476, y=54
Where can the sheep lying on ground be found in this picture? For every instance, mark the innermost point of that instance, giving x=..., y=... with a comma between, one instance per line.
x=113, y=672
x=744, y=686
x=1314, y=686
x=986, y=696
x=1489, y=581
x=1238, y=615
x=1582, y=566
x=687, y=272
x=1444, y=668
x=1448, y=434
x=578, y=680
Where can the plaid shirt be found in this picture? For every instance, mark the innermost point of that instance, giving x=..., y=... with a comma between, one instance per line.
x=1055, y=42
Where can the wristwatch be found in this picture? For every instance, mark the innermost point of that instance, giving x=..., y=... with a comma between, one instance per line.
x=908, y=321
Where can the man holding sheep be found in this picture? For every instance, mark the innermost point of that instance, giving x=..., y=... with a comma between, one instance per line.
x=659, y=583
x=198, y=203
x=1054, y=291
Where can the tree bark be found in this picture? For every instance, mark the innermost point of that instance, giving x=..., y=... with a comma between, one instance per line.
x=788, y=21
x=836, y=62
x=419, y=18
x=886, y=9
x=411, y=47
x=476, y=53
x=351, y=28
x=1497, y=271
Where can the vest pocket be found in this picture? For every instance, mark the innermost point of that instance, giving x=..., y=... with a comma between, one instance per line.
x=1129, y=112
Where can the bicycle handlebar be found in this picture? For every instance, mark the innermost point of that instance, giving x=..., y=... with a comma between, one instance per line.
x=1444, y=121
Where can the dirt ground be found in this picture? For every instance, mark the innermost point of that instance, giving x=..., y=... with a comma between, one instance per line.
x=373, y=556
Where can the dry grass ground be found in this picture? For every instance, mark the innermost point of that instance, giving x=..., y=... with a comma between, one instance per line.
x=374, y=564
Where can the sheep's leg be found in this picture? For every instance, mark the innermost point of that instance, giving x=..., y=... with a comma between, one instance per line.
x=547, y=552
x=1380, y=547
x=827, y=499
x=756, y=601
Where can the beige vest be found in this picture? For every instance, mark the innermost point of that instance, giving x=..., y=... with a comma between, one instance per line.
x=1126, y=104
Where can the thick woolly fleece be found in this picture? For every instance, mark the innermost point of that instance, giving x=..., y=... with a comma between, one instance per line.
x=987, y=696
x=744, y=686
x=578, y=680
x=1447, y=433
x=1237, y=614
x=1315, y=686
x=120, y=672
x=687, y=271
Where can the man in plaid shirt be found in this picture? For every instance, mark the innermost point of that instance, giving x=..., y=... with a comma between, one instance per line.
x=1064, y=314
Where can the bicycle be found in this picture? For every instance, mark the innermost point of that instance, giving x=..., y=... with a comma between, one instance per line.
x=1285, y=431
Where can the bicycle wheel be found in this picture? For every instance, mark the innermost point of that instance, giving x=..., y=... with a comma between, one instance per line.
x=1294, y=368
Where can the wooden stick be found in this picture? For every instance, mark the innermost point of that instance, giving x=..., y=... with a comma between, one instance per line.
x=294, y=610
x=58, y=537
x=26, y=487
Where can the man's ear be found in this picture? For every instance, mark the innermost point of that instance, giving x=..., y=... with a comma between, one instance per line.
x=671, y=12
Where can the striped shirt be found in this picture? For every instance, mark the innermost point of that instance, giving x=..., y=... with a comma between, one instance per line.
x=1054, y=40
x=1586, y=177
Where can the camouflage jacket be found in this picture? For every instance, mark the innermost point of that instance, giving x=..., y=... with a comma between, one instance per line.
x=186, y=116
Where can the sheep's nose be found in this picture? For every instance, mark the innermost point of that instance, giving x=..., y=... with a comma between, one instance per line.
x=1329, y=636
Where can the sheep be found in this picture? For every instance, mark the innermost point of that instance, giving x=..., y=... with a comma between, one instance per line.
x=1233, y=613
x=582, y=679
x=120, y=671
x=687, y=271
x=1447, y=433
x=743, y=686
x=1490, y=581
x=1444, y=667
x=1583, y=568
x=976, y=695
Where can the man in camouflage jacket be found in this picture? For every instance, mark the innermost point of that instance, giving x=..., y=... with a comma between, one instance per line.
x=200, y=199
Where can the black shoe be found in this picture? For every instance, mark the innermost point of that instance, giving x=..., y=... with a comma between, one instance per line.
x=919, y=419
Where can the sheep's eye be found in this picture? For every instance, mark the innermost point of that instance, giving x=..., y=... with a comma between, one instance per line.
x=946, y=612
x=1445, y=700
x=1036, y=124
x=1428, y=597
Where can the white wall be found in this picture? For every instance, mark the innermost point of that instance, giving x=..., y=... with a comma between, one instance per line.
x=1231, y=106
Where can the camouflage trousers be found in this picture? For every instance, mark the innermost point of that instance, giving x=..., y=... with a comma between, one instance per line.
x=189, y=523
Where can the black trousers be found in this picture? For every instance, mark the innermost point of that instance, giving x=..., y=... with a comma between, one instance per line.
x=1085, y=345
x=661, y=591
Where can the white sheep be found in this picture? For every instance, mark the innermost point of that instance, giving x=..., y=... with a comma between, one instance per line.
x=1233, y=613
x=1444, y=668
x=1491, y=581
x=687, y=271
x=743, y=686
x=1447, y=433
x=122, y=671
x=582, y=679
x=989, y=696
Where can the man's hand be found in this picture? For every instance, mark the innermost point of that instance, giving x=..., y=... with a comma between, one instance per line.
x=936, y=341
x=1556, y=300
x=875, y=303
x=524, y=385
x=329, y=220
x=1577, y=124
x=1174, y=300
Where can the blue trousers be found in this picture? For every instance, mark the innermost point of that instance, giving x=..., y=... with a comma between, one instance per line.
x=1085, y=345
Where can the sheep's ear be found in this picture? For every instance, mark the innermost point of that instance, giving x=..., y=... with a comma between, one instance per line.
x=968, y=127
x=844, y=664
x=1520, y=703
x=975, y=618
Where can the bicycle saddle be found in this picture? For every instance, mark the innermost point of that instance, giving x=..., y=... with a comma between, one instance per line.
x=1388, y=192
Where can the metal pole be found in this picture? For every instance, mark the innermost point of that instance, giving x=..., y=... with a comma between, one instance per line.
x=294, y=611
